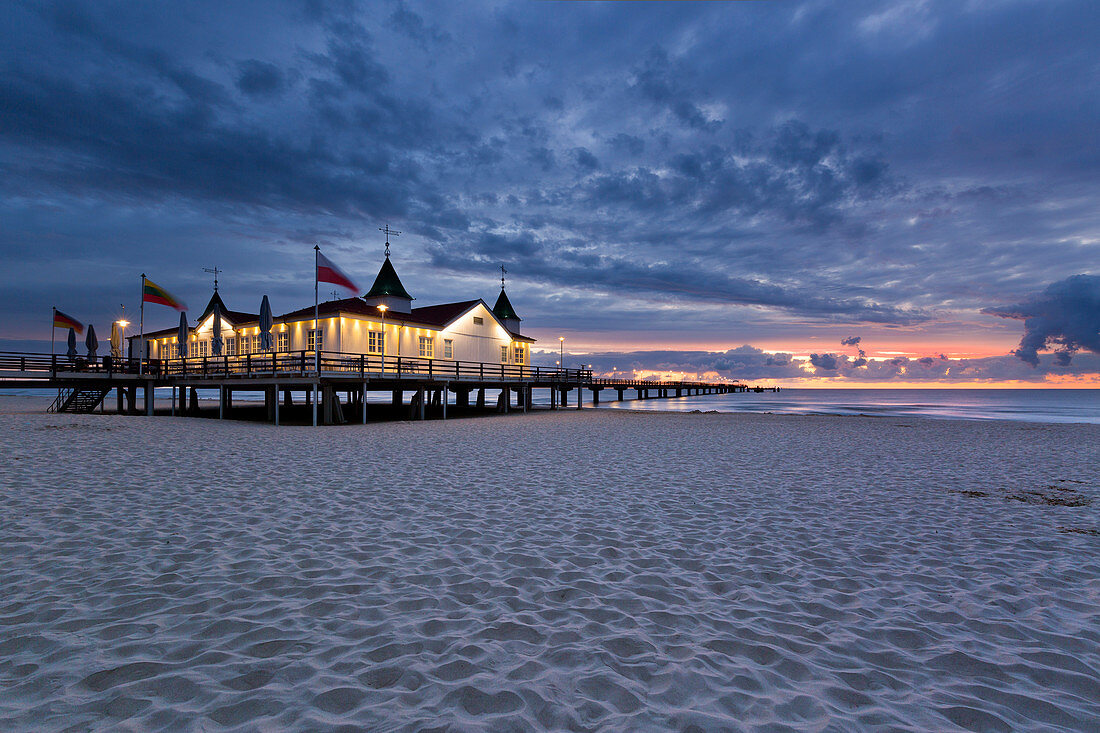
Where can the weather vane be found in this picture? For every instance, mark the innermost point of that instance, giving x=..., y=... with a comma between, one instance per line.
x=503, y=272
x=214, y=270
x=388, y=232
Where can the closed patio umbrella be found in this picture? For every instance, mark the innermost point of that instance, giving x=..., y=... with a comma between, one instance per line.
x=116, y=341
x=91, y=342
x=266, y=321
x=181, y=335
x=71, y=353
x=216, y=340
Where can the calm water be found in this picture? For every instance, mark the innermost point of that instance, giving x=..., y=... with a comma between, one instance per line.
x=1030, y=405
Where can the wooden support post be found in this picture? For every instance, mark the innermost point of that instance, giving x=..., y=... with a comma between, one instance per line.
x=173, y=401
x=564, y=396
x=312, y=397
x=277, y=403
x=327, y=395
x=398, y=398
x=420, y=403
x=443, y=399
x=595, y=396
x=363, y=399
x=580, y=396
x=221, y=402
x=149, y=395
x=193, y=402
x=481, y=398
x=120, y=400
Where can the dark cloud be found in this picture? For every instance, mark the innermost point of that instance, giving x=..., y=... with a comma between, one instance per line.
x=861, y=360
x=825, y=362
x=722, y=170
x=1064, y=317
x=259, y=78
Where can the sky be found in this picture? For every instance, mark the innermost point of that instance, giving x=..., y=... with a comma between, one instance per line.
x=805, y=193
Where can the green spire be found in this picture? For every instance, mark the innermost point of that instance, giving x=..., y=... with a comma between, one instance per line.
x=503, y=309
x=387, y=283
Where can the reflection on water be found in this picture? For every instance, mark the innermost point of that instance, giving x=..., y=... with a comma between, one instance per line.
x=1030, y=405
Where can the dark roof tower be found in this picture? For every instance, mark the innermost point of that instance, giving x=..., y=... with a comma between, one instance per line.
x=503, y=308
x=387, y=289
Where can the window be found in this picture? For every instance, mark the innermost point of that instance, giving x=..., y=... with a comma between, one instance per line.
x=518, y=353
x=317, y=336
x=282, y=341
x=245, y=343
x=479, y=321
x=230, y=346
x=169, y=351
x=503, y=354
x=202, y=348
x=376, y=342
x=427, y=347
x=448, y=348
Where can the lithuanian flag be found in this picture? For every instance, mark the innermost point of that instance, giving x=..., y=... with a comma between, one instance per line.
x=153, y=293
x=60, y=320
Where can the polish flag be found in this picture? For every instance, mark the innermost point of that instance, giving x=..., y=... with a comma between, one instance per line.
x=327, y=272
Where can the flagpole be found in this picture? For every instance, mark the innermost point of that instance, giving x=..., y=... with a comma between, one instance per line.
x=316, y=340
x=141, y=327
x=53, y=328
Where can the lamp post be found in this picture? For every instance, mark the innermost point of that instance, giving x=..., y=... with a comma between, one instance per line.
x=122, y=324
x=382, y=309
x=561, y=352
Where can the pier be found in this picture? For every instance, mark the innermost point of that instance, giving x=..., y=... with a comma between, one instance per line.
x=332, y=388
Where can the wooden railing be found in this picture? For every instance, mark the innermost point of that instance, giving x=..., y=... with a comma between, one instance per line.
x=298, y=363
x=46, y=366
x=332, y=363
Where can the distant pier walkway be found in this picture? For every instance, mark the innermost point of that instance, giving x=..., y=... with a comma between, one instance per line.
x=337, y=392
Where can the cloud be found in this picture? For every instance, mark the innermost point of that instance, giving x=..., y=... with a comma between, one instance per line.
x=825, y=362
x=1064, y=317
x=854, y=341
x=259, y=78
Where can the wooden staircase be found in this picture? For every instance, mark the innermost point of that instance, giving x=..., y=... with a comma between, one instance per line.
x=80, y=400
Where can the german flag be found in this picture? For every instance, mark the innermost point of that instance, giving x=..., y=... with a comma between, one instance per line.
x=153, y=293
x=60, y=320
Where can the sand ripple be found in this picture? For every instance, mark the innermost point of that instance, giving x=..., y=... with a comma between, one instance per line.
x=592, y=571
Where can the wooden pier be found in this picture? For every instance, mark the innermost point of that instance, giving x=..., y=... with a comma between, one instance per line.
x=333, y=388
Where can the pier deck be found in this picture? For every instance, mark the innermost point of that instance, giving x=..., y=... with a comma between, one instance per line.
x=84, y=385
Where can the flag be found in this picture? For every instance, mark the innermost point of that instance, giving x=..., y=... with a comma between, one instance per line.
x=154, y=293
x=60, y=320
x=330, y=273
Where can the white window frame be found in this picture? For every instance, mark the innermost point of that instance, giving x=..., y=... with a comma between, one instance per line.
x=319, y=335
x=517, y=352
x=504, y=354
x=448, y=348
x=376, y=342
x=230, y=346
x=427, y=347
x=282, y=342
x=479, y=321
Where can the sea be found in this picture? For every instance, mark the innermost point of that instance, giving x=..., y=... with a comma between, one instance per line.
x=1027, y=405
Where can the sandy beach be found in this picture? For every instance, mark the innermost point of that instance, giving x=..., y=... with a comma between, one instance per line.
x=593, y=570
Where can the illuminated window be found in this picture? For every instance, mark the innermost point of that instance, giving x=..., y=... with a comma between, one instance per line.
x=282, y=341
x=202, y=348
x=230, y=346
x=376, y=342
x=503, y=354
x=518, y=353
x=317, y=336
x=479, y=321
x=448, y=349
x=427, y=347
